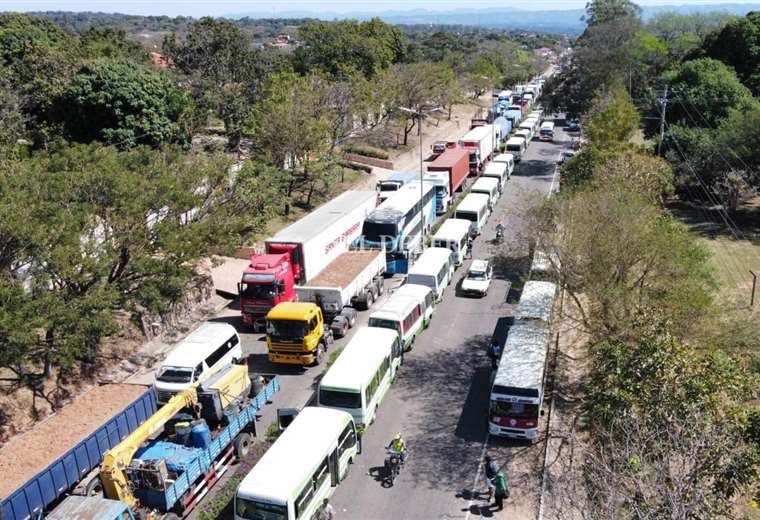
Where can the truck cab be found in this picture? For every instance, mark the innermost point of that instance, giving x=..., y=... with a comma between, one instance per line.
x=296, y=334
x=442, y=196
x=267, y=281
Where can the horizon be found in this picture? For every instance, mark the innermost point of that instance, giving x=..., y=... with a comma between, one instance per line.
x=223, y=8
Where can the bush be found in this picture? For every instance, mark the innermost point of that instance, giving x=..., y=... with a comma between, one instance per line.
x=356, y=166
x=366, y=150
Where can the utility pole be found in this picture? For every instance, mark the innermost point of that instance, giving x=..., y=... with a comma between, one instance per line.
x=663, y=102
x=754, y=284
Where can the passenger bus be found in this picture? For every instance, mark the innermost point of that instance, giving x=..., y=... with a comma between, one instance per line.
x=475, y=208
x=422, y=294
x=490, y=186
x=397, y=226
x=546, y=133
x=453, y=234
x=402, y=313
x=517, y=391
x=301, y=469
x=361, y=376
x=434, y=269
x=536, y=301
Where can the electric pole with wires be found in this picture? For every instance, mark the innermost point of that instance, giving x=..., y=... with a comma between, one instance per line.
x=663, y=104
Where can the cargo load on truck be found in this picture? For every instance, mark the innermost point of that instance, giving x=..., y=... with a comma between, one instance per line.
x=62, y=454
x=353, y=279
x=456, y=163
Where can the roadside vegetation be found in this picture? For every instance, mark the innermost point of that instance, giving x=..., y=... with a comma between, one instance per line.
x=671, y=397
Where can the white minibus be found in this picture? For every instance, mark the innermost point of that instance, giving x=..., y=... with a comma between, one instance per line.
x=488, y=186
x=209, y=348
x=517, y=147
x=359, y=379
x=474, y=208
x=526, y=126
x=546, y=133
x=453, y=234
x=536, y=301
x=509, y=160
x=536, y=114
x=301, y=469
x=402, y=313
x=422, y=294
x=498, y=171
x=526, y=135
x=434, y=269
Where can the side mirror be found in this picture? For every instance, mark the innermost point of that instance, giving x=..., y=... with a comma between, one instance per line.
x=543, y=412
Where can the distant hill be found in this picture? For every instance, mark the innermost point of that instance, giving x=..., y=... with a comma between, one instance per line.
x=556, y=21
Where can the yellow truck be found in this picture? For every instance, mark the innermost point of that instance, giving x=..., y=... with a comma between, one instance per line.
x=296, y=334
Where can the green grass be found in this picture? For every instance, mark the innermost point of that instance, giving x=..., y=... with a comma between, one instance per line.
x=333, y=357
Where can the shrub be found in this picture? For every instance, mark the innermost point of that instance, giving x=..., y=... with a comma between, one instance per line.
x=366, y=150
x=356, y=166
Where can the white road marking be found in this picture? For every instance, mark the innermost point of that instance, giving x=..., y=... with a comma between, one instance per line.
x=477, y=478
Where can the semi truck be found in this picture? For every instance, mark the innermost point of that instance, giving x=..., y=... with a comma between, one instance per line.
x=300, y=252
x=297, y=334
x=171, y=461
x=448, y=172
x=354, y=279
x=480, y=142
x=32, y=486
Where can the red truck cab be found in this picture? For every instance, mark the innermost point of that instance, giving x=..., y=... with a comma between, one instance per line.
x=267, y=281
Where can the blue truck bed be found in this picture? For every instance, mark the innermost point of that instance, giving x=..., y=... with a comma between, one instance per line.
x=63, y=474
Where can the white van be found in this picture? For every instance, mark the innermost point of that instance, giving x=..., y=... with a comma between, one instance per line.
x=536, y=123
x=517, y=147
x=474, y=208
x=419, y=293
x=453, y=234
x=434, y=269
x=546, y=133
x=488, y=186
x=526, y=134
x=209, y=348
x=498, y=171
x=509, y=160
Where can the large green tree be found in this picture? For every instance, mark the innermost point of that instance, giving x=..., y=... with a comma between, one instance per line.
x=738, y=46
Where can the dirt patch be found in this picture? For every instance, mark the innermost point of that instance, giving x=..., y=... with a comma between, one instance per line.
x=29, y=453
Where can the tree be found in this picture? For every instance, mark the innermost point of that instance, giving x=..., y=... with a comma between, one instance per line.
x=112, y=44
x=704, y=91
x=612, y=119
x=599, y=12
x=683, y=34
x=737, y=45
x=481, y=75
x=407, y=90
x=123, y=104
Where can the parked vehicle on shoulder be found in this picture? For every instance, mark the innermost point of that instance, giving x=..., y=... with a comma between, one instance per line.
x=509, y=160
x=517, y=147
x=573, y=126
x=474, y=208
x=478, y=279
x=434, y=269
x=453, y=234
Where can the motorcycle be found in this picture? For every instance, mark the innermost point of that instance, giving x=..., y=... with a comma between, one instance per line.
x=499, y=235
x=392, y=465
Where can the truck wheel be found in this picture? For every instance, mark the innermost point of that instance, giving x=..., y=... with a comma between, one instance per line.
x=370, y=298
x=242, y=445
x=94, y=488
x=380, y=286
x=320, y=355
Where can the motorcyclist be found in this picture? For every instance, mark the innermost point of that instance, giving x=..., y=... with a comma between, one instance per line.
x=397, y=445
x=499, y=230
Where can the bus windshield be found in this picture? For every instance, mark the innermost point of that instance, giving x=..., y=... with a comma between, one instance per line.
x=384, y=324
x=253, y=510
x=514, y=148
x=514, y=410
x=379, y=231
x=280, y=330
x=340, y=399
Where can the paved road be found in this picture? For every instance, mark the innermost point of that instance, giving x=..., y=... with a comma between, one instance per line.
x=440, y=398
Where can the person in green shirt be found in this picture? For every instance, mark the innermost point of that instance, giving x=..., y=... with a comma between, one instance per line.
x=502, y=490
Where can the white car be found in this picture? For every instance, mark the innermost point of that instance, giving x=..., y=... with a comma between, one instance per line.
x=478, y=278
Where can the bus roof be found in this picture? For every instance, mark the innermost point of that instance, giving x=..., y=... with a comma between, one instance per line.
x=399, y=203
x=396, y=307
x=536, y=301
x=452, y=229
x=360, y=359
x=431, y=260
x=473, y=202
x=324, y=216
x=515, y=140
x=485, y=183
x=547, y=124
x=496, y=168
x=418, y=292
x=280, y=473
x=521, y=368
x=503, y=158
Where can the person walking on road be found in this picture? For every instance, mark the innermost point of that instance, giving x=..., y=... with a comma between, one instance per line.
x=327, y=512
x=490, y=470
x=501, y=490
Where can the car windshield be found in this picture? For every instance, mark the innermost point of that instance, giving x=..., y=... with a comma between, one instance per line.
x=340, y=399
x=258, y=290
x=476, y=275
x=514, y=410
x=175, y=375
x=253, y=510
x=384, y=324
x=286, y=329
x=379, y=232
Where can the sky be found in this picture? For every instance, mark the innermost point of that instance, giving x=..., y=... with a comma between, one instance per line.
x=273, y=7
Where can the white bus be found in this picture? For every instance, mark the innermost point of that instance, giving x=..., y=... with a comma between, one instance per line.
x=301, y=469
x=453, y=234
x=518, y=386
x=434, y=269
x=404, y=314
x=546, y=133
x=422, y=294
x=517, y=147
x=508, y=159
x=361, y=376
x=536, y=301
x=488, y=186
x=498, y=171
x=474, y=207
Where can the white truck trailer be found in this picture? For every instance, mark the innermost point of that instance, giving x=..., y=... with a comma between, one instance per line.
x=481, y=142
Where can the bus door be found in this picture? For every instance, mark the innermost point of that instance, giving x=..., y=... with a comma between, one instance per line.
x=332, y=462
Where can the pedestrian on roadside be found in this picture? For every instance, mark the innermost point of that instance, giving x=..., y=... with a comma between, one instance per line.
x=469, y=247
x=490, y=470
x=502, y=490
x=327, y=512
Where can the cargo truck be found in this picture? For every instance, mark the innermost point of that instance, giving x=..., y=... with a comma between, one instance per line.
x=300, y=252
x=480, y=142
x=353, y=279
x=76, y=440
x=454, y=166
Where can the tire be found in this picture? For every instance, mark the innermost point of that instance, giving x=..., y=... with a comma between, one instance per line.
x=94, y=488
x=319, y=356
x=242, y=444
x=380, y=286
x=370, y=299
